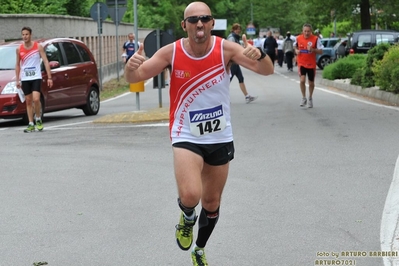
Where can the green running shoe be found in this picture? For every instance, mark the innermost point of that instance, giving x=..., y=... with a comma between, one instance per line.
x=30, y=128
x=184, y=232
x=39, y=125
x=198, y=257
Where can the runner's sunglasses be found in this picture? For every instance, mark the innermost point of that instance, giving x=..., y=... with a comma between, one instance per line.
x=194, y=19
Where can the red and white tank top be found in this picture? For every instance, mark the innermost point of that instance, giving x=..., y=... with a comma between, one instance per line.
x=30, y=62
x=199, y=96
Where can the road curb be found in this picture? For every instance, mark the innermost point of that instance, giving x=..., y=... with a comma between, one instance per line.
x=156, y=114
x=373, y=92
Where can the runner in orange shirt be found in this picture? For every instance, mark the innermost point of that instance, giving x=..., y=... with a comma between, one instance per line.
x=307, y=46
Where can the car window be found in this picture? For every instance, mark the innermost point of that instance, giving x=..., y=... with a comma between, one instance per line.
x=8, y=57
x=364, y=40
x=333, y=42
x=83, y=52
x=53, y=53
x=384, y=38
x=71, y=53
x=324, y=42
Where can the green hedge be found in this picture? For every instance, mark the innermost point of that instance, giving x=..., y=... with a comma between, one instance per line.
x=379, y=67
x=344, y=68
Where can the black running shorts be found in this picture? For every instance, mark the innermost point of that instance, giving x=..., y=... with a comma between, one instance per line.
x=28, y=86
x=311, y=72
x=213, y=154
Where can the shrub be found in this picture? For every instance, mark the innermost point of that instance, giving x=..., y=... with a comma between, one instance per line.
x=327, y=72
x=344, y=68
x=374, y=55
x=386, y=71
x=357, y=77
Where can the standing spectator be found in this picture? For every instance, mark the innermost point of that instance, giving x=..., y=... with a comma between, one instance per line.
x=258, y=42
x=29, y=58
x=306, y=47
x=251, y=42
x=318, y=34
x=129, y=47
x=280, y=53
x=293, y=38
x=270, y=46
x=288, y=50
x=200, y=124
x=235, y=69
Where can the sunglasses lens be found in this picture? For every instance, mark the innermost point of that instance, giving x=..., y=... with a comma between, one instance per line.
x=205, y=18
x=194, y=20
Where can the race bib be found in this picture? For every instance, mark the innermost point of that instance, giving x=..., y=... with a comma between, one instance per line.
x=207, y=121
x=30, y=71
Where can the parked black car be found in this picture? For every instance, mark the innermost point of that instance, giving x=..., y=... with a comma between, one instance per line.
x=360, y=42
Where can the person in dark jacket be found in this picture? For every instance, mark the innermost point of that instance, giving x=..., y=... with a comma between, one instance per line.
x=270, y=46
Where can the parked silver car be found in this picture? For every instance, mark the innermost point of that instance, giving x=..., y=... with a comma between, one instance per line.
x=328, y=54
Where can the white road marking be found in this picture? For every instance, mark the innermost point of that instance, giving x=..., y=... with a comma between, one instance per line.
x=389, y=222
x=71, y=126
x=122, y=95
x=117, y=97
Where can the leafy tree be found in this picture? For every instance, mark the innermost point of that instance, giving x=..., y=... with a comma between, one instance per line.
x=15, y=7
x=33, y=6
x=80, y=8
x=283, y=14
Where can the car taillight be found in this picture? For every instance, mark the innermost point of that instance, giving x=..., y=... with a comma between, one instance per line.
x=351, y=51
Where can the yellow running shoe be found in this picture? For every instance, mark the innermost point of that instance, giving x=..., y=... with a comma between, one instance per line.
x=198, y=257
x=39, y=125
x=184, y=232
x=30, y=128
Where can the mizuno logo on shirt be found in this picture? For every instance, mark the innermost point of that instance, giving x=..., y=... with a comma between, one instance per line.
x=206, y=114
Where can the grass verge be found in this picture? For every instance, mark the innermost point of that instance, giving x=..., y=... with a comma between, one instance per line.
x=114, y=88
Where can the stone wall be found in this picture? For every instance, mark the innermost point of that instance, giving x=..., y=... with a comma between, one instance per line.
x=84, y=29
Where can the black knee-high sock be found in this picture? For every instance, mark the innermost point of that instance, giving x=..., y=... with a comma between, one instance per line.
x=206, y=223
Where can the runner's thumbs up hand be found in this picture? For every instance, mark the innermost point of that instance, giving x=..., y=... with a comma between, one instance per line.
x=141, y=49
x=250, y=51
x=244, y=40
x=137, y=59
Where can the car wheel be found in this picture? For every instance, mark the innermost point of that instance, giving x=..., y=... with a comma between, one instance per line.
x=323, y=62
x=92, y=103
x=25, y=118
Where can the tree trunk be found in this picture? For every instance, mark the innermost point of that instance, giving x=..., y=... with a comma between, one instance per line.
x=365, y=19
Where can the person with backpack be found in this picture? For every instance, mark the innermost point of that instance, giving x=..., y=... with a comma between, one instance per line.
x=288, y=49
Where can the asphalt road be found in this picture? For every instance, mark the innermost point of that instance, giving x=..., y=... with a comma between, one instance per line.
x=305, y=184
